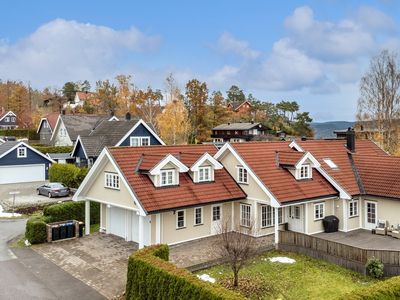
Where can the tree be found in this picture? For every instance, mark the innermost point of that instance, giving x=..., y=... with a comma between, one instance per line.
x=105, y=98
x=235, y=94
x=69, y=90
x=293, y=107
x=379, y=102
x=218, y=113
x=301, y=126
x=149, y=108
x=236, y=244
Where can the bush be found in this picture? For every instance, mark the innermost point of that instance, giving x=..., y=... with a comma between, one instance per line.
x=35, y=231
x=72, y=211
x=374, y=267
x=151, y=276
x=52, y=149
x=388, y=290
x=31, y=134
x=68, y=174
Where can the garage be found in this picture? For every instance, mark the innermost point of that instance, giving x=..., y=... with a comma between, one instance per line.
x=117, y=222
x=22, y=173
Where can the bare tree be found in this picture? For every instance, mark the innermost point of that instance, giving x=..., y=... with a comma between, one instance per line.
x=379, y=102
x=236, y=244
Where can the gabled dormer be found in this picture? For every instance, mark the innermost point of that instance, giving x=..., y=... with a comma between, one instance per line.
x=299, y=164
x=163, y=170
x=202, y=166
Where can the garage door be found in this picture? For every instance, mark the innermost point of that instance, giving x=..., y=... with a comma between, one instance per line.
x=25, y=173
x=135, y=229
x=117, y=221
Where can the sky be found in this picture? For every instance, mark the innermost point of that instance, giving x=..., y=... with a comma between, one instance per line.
x=312, y=52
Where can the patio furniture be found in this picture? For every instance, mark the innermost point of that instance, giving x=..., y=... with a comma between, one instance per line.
x=396, y=232
x=381, y=228
x=389, y=230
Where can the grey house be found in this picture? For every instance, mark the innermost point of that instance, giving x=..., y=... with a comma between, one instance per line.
x=8, y=120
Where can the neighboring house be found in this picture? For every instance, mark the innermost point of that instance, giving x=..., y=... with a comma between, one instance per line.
x=61, y=158
x=79, y=100
x=8, y=120
x=281, y=134
x=172, y=194
x=238, y=106
x=46, y=127
x=20, y=163
x=128, y=132
x=238, y=132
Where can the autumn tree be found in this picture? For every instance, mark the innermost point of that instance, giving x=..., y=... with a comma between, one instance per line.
x=148, y=107
x=129, y=95
x=378, y=108
x=105, y=97
x=217, y=113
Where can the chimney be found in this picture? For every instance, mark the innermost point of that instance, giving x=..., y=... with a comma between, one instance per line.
x=229, y=123
x=128, y=116
x=111, y=112
x=63, y=111
x=351, y=139
x=303, y=138
x=3, y=110
x=252, y=121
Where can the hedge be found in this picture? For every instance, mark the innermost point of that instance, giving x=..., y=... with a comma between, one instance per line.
x=69, y=174
x=72, y=211
x=52, y=149
x=388, y=289
x=151, y=276
x=31, y=134
x=35, y=231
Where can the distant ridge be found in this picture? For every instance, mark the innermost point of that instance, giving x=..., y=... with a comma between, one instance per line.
x=325, y=129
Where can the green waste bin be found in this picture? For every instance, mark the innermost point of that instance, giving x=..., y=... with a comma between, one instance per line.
x=55, y=233
x=63, y=231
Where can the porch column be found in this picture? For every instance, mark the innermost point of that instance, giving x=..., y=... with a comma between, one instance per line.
x=87, y=217
x=141, y=229
x=276, y=226
x=158, y=229
x=233, y=216
x=345, y=216
x=255, y=218
x=360, y=214
x=306, y=218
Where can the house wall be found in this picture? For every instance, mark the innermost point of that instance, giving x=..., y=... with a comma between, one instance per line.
x=79, y=151
x=386, y=210
x=315, y=226
x=103, y=218
x=268, y=229
x=99, y=192
x=143, y=132
x=62, y=139
x=10, y=124
x=45, y=133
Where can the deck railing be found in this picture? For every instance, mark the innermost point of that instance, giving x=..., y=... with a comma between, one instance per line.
x=347, y=256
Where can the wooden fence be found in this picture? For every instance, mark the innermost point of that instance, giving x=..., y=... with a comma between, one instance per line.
x=346, y=256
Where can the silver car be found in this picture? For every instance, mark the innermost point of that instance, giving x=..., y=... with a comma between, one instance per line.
x=53, y=189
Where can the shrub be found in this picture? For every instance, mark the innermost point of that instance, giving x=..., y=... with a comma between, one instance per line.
x=374, y=267
x=72, y=211
x=52, y=149
x=388, y=289
x=151, y=276
x=31, y=134
x=35, y=231
x=68, y=174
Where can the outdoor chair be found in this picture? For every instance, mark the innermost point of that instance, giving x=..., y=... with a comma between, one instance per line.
x=396, y=231
x=382, y=227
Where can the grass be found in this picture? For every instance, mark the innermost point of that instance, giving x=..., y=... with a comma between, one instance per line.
x=307, y=278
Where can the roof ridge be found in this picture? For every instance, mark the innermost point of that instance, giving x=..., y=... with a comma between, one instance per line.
x=356, y=174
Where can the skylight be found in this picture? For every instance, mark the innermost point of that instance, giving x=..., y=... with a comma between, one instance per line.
x=330, y=163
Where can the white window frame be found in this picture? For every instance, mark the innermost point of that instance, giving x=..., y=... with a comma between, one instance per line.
x=202, y=172
x=21, y=152
x=179, y=214
x=318, y=207
x=268, y=216
x=196, y=209
x=111, y=181
x=353, y=208
x=245, y=214
x=218, y=140
x=12, y=119
x=166, y=172
x=305, y=172
x=7, y=119
x=214, y=209
x=140, y=140
x=242, y=175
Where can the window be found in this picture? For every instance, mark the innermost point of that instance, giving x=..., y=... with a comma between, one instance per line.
x=140, y=141
x=112, y=181
x=305, y=172
x=12, y=119
x=268, y=216
x=21, y=152
x=236, y=132
x=167, y=177
x=198, y=216
x=330, y=163
x=216, y=213
x=204, y=174
x=319, y=211
x=218, y=140
x=242, y=175
x=245, y=215
x=180, y=219
x=7, y=119
x=228, y=132
x=353, y=208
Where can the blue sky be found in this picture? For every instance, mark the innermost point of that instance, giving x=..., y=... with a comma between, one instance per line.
x=312, y=52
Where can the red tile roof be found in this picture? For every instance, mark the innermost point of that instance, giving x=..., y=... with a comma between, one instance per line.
x=189, y=158
x=83, y=95
x=153, y=199
x=289, y=158
x=149, y=161
x=52, y=119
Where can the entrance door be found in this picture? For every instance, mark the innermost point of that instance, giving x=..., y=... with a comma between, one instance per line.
x=295, y=218
x=216, y=215
x=370, y=214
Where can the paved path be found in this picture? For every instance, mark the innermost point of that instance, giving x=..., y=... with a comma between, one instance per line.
x=9, y=230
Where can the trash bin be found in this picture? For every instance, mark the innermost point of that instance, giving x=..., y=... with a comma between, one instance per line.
x=55, y=233
x=331, y=223
x=81, y=224
x=63, y=231
x=70, y=230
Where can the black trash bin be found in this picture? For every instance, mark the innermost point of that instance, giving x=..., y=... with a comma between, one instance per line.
x=331, y=223
x=55, y=233
x=70, y=230
x=63, y=231
x=81, y=224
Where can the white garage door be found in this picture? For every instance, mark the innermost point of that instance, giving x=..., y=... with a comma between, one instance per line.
x=117, y=221
x=135, y=229
x=25, y=173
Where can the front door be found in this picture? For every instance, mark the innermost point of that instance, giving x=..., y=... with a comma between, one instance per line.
x=295, y=218
x=370, y=214
x=216, y=215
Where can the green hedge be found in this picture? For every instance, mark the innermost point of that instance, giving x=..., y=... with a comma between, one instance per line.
x=31, y=134
x=68, y=174
x=35, y=231
x=388, y=289
x=52, y=149
x=151, y=276
x=72, y=211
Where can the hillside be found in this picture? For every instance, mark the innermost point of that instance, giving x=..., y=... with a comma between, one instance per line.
x=325, y=130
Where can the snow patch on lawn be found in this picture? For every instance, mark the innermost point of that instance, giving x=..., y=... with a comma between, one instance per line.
x=285, y=260
x=7, y=215
x=206, y=277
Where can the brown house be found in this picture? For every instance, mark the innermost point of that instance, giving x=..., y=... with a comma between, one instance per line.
x=238, y=106
x=238, y=132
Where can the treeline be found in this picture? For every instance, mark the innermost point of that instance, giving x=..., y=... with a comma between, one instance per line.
x=179, y=115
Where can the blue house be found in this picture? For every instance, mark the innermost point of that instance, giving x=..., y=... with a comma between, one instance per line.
x=113, y=133
x=20, y=163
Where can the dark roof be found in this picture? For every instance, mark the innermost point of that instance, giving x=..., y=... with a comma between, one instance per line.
x=237, y=104
x=59, y=155
x=81, y=124
x=238, y=126
x=7, y=146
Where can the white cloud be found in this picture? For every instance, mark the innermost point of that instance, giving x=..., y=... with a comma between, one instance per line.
x=227, y=43
x=373, y=19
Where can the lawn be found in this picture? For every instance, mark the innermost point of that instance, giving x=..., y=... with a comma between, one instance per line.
x=307, y=278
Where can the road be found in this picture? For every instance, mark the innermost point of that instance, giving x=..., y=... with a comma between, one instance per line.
x=25, y=274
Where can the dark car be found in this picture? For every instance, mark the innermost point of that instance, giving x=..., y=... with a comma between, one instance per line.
x=53, y=189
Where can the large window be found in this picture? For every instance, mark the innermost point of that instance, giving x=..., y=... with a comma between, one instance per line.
x=245, y=215
x=167, y=177
x=21, y=152
x=204, y=173
x=353, y=208
x=198, y=216
x=140, y=141
x=216, y=213
x=319, y=211
x=242, y=175
x=112, y=181
x=268, y=216
x=180, y=219
x=305, y=172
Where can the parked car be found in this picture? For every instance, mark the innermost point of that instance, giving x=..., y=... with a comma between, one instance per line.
x=53, y=189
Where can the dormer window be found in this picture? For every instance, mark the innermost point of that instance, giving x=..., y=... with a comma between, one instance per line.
x=305, y=172
x=167, y=177
x=204, y=173
x=21, y=152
